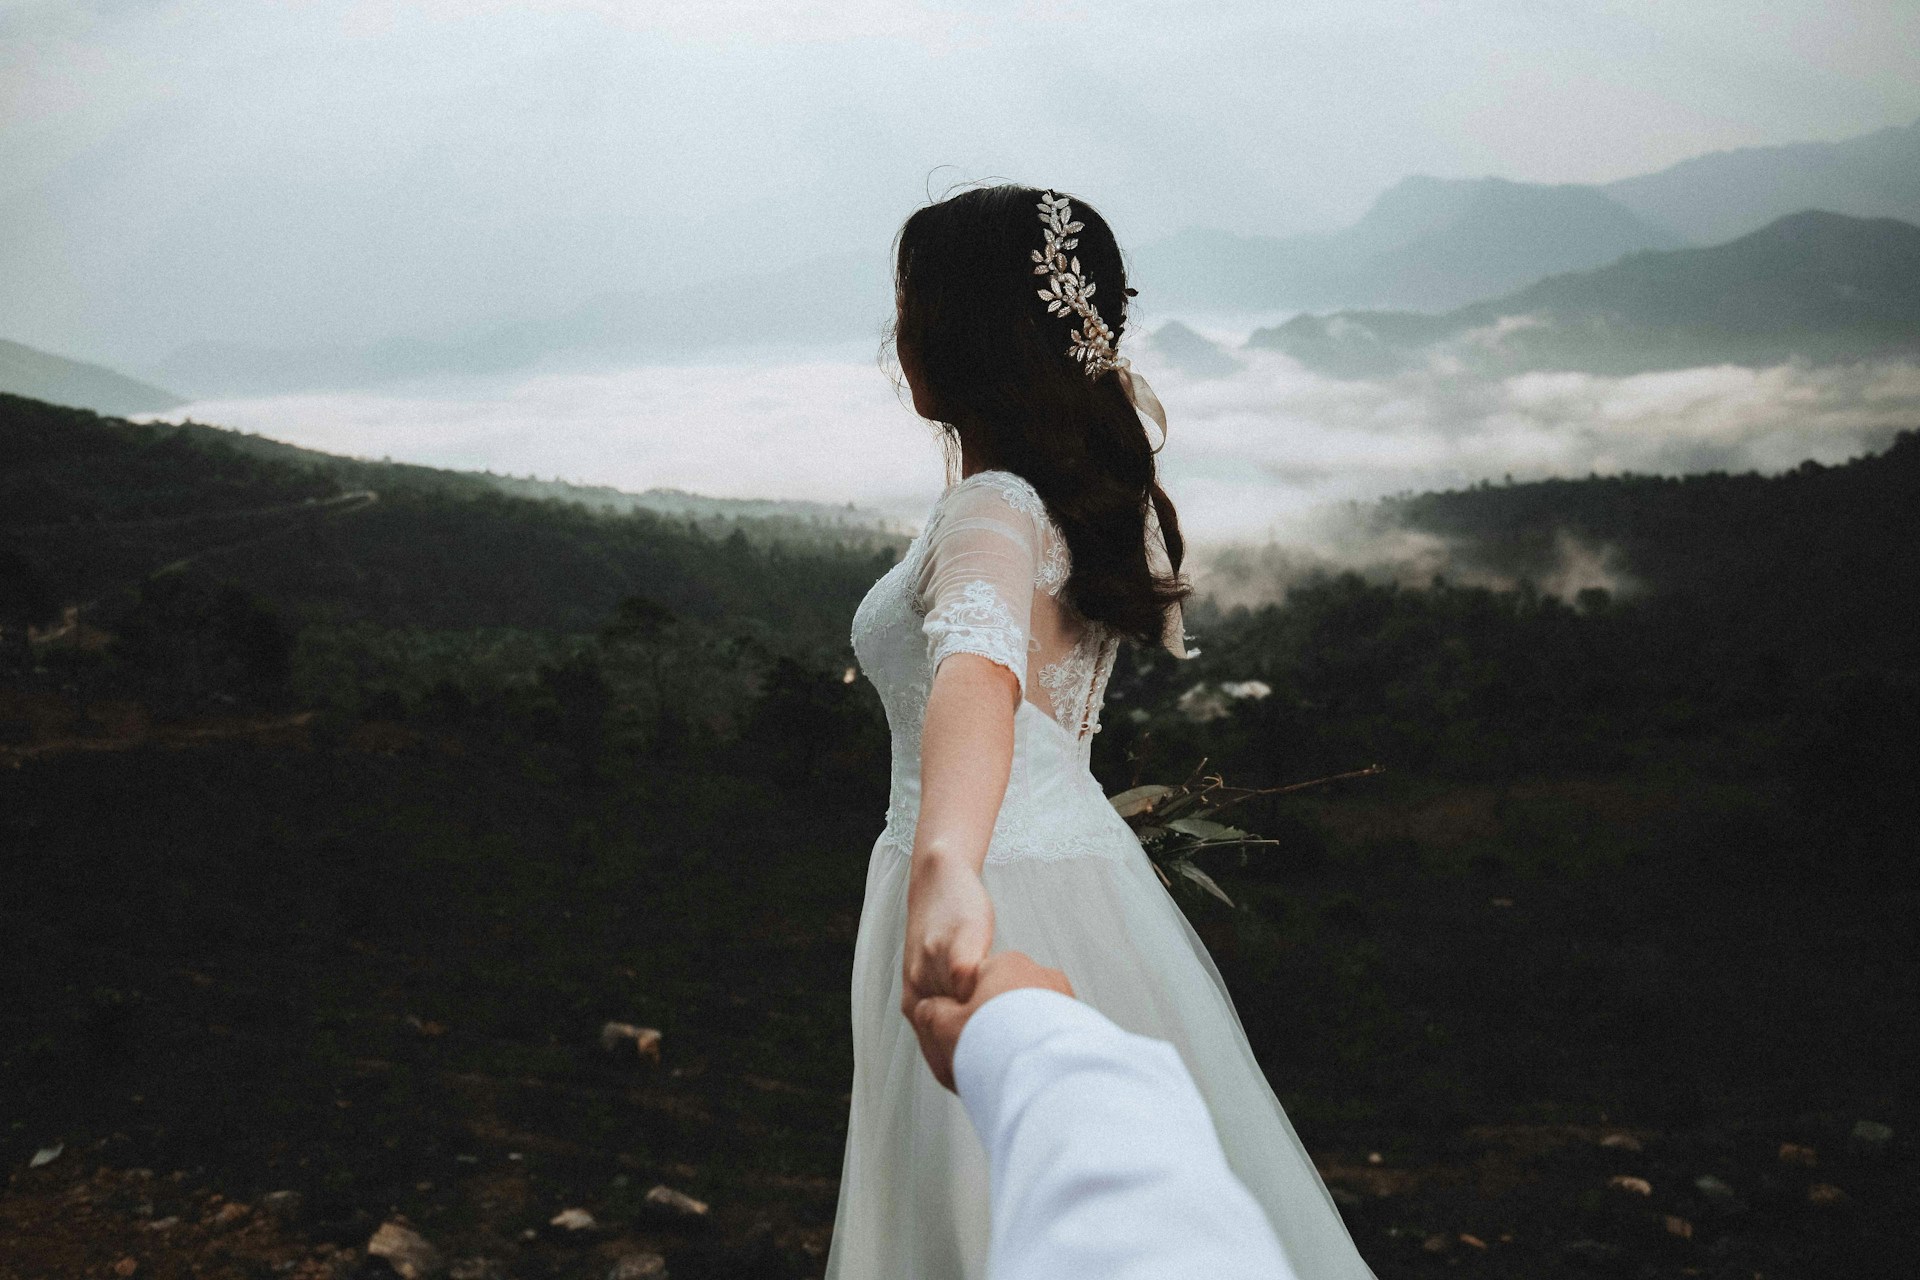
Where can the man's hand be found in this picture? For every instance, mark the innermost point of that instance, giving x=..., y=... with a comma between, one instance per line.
x=938, y=1020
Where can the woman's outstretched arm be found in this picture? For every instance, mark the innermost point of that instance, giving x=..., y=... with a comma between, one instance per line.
x=966, y=754
x=977, y=583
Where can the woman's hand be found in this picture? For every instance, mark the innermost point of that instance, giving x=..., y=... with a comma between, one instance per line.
x=949, y=931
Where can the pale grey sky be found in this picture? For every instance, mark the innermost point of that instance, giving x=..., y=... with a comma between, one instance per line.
x=337, y=170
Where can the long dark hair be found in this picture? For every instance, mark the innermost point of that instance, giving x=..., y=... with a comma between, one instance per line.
x=995, y=366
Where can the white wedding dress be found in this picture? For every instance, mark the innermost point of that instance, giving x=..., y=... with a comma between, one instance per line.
x=1070, y=886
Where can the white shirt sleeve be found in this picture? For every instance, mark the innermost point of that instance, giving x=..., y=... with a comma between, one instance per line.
x=1104, y=1158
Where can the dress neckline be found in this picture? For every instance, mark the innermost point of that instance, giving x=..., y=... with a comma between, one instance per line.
x=984, y=472
x=1014, y=487
x=996, y=477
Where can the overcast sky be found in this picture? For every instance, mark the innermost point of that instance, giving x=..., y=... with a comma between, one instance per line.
x=345, y=169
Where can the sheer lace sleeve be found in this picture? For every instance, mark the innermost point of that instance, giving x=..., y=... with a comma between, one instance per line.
x=977, y=578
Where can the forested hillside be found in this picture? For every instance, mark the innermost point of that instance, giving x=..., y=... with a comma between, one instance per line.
x=1769, y=609
x=92, y=504
x=1815, y=566
x=363, y=798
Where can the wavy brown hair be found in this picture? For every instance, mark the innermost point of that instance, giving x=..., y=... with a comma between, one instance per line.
x=993, y=366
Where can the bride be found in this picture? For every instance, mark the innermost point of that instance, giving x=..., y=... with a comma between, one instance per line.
x=990, y=644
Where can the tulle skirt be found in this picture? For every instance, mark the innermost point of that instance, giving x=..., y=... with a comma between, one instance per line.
x=913, y=1188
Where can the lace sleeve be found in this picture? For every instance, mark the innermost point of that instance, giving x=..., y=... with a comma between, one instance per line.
x=977, y=578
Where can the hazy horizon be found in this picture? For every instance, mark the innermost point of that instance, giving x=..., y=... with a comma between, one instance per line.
x=350, y=170
x=344, y=172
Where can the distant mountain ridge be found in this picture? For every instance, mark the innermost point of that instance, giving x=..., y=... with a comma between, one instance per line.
x=1426, y=243
x=1724, y=194
x=1814, y=285
x=26, y=371
x=1179, y=347
x=1433, y=244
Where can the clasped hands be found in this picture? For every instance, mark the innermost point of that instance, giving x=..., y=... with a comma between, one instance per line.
x=947, y=971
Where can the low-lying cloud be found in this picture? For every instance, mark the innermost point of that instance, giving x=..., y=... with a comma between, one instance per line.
x=1357, y=540
x=828, y=429
x=1271, y=453
x=1270, y=442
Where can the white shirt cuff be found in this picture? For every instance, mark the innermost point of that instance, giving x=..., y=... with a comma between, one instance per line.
x=998, y=1032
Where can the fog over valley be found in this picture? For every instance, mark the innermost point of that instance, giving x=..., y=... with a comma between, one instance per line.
x=1251, y=454
x=649, y=249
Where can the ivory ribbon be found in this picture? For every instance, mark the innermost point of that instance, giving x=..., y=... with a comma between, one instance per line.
x=1141, y=396
x=1173, y=631
x=1173, y=635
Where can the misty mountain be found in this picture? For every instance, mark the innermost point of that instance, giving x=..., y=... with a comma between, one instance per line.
x=1178, y=347
x=1426, y=243
x=1814, y=285
x=1429, y=244
x=1725, y=194
x=833, y=299
x=27, y=372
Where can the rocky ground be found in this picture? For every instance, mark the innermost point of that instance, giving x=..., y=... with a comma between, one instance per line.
x=75, y=1218
x=1507, y=1202
x=271, y=1011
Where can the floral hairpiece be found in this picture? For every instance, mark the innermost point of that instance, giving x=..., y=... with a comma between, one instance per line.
x=1066, y=291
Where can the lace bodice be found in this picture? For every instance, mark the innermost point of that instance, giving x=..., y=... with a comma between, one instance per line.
x=984, y=577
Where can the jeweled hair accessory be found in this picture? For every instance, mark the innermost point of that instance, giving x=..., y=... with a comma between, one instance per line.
x=1067, y=292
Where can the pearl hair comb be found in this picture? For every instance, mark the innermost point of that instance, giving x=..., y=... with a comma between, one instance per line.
x=1068, y=293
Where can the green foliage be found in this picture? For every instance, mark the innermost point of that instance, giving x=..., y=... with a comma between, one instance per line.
x=810, y=730
x=68, y=467
x=189, y=644
x=1176, y=824
x=1804, y=570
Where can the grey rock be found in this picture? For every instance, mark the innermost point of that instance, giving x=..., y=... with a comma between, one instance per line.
x=1713, y=1189
x=1870, y=1138
x=678, y=1204
x=642, y=1042
x=639, y=1266
x=283, y=1206
x=477, y=1269
x=406, y=1251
